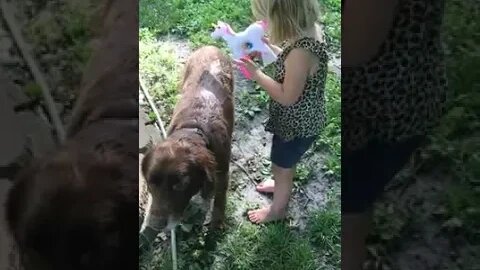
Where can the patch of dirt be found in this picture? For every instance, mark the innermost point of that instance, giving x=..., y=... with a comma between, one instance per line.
x=251, y=149
x=182, y=48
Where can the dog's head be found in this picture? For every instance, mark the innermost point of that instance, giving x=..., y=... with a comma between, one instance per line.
x=73, y=213
x=175, y=171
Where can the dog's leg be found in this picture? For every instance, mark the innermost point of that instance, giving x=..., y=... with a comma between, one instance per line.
x=220, y=200
x=206, y=195
x=207, y=191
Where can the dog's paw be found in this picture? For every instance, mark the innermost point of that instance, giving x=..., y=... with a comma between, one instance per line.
x=219, y=225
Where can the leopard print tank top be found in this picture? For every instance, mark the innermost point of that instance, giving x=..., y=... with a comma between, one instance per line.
x=402, y=91
x=306, y=117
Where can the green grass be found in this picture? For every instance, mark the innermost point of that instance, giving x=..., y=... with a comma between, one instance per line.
x=325, y=229
x=192, y=19
x=160, y=71
x=330, y=139
x=244, y=246
x=273, y=247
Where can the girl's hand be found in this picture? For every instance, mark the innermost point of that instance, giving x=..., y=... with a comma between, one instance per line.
x=267, y=41
x=249, y=66
x=277, y=50
x=255, y=55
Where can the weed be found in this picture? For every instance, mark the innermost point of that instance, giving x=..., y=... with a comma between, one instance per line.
x=303, y=173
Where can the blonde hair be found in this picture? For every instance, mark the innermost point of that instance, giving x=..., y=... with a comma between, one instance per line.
x=287, y=19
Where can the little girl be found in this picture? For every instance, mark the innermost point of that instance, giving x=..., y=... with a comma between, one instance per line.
x=297, y=103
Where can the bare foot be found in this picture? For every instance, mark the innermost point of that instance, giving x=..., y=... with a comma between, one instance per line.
x=266, y=186
x=264, y=215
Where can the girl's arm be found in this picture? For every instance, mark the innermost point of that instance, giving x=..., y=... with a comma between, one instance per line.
x=297, y=66
x=277, y=50
x=365, y=26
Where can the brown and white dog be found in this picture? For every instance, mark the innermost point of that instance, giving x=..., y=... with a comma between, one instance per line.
x=77, y=208
x=195, y=156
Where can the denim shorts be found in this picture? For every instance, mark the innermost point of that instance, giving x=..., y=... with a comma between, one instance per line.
x=286, y=154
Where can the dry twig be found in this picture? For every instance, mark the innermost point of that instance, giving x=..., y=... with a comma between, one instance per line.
x=245, y=171
x=153, y=107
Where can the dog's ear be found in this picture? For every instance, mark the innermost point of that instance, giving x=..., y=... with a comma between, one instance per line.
x=210, y=173
x=153, y=173
x=195, y=178
x=207, y=164
x=201, y=172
